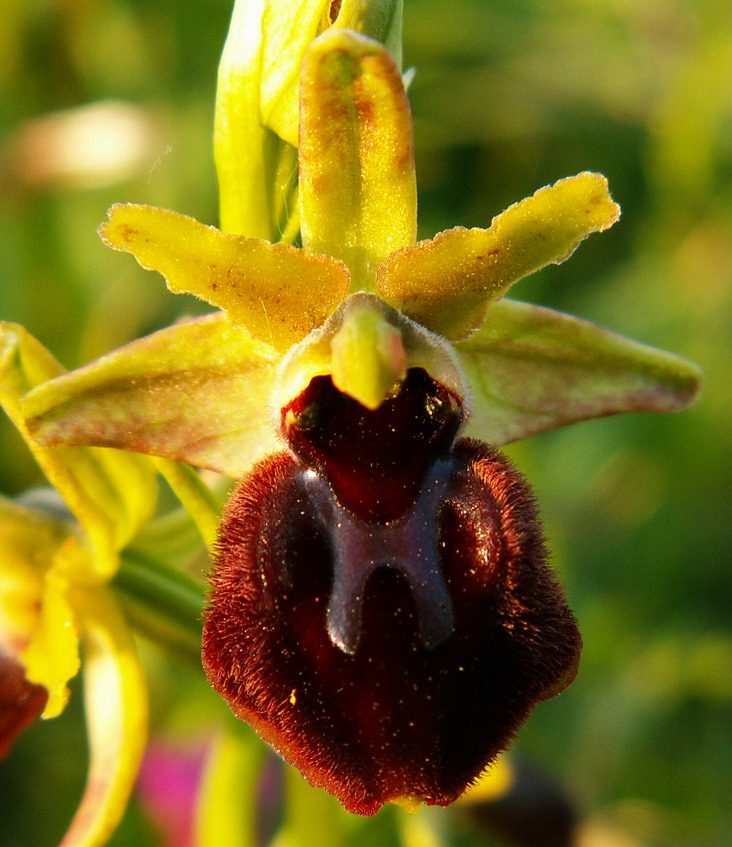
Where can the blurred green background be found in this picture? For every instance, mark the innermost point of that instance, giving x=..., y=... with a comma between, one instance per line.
x=509, y=95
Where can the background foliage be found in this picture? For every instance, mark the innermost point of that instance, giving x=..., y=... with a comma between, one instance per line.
x=509, y=95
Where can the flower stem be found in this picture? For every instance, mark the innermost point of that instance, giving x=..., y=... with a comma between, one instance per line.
x=197, y=498
x=163, y=603
x=227, y=804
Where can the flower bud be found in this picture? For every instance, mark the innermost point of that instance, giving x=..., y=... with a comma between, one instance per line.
x=256, y=125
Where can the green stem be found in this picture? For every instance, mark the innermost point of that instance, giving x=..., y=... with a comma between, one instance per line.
x=313, y=817
x=163, y=603
x=197, y=498
x=227, y=809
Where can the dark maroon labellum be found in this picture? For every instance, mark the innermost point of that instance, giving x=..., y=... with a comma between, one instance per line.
x=381, y=609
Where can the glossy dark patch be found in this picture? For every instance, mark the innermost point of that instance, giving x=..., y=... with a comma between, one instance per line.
x=381, y=609
x=375, y=461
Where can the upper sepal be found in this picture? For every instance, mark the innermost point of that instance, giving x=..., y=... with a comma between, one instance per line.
x=195, y=392
x=358, y=191
x=532, y=369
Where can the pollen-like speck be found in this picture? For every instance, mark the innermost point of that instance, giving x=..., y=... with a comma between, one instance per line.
x=293, y=696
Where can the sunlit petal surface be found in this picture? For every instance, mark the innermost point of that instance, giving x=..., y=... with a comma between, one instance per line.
x=52, y=656
x=532, y=369
x=196, y=392
x=276, y=292
x=446, y=283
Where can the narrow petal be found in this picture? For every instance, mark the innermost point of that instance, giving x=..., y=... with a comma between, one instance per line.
x=111, y=494
x=116, y=709
x=447, y=283
x=532, y=369
x=196, y=392
x=276, y=292
x=357, y=183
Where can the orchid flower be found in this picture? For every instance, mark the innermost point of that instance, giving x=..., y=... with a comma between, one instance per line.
x=382, y=611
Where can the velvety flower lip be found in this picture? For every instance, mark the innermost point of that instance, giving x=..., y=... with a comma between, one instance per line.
x=381, y=608
x=398, y=717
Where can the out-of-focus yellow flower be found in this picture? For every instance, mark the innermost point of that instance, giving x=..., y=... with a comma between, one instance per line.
x=54, y=568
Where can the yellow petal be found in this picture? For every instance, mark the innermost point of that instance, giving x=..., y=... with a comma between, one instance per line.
x=28, y=542
x=276, y=292
x=52, y=656
x=358, y=196
x=448, y=282
x=111, y=494
x=116, y=714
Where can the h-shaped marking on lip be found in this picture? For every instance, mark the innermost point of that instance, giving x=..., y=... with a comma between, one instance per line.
x=409, y=545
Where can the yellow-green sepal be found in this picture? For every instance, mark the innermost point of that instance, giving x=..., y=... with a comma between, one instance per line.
x=448, y=282
x=29, y=540
x=276, y=292
x=532, y=370
x=195, y=392
x=115, y=700
x=358, y=196
x=38, y=628
x=51, y=658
